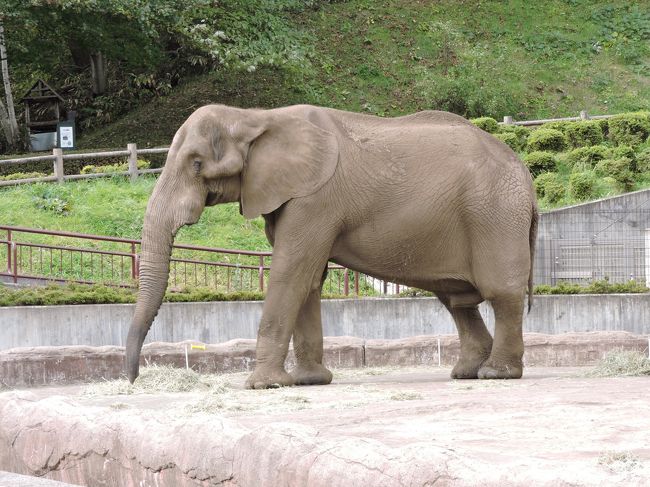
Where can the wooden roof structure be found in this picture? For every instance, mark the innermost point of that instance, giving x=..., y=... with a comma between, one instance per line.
x=42, y=94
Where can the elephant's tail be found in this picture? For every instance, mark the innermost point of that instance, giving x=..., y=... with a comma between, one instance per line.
x=532, y=238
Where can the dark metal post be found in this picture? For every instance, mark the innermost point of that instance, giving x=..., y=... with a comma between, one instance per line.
x=14, y=251
x=8, y=250
x=134, y=262
x=356, y=283
x=346, y=282
x=261, y=273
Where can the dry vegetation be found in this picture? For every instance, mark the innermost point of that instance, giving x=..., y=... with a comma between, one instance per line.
x=622, y=363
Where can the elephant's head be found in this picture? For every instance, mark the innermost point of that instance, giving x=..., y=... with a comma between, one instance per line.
x=220, y=154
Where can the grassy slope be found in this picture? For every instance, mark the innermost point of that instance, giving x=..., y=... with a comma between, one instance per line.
x=116, y=207
x=514, y=57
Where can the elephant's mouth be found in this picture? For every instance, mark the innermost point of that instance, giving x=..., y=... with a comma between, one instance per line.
x=212, y=199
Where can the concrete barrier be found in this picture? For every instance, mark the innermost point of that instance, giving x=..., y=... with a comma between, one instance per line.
x=40, y=366
x=368, y=318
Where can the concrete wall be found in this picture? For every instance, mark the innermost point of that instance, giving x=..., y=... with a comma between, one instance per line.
x=603, y=238
x=370, y=318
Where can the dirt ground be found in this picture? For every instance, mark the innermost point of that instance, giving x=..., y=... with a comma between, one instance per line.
x=380, y=427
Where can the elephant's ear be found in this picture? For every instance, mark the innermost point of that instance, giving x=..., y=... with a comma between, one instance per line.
x=291, y=157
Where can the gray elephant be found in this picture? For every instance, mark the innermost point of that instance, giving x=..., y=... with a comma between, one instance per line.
x=426, y=200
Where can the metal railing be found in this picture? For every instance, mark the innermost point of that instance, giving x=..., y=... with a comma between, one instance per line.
x=34, y=255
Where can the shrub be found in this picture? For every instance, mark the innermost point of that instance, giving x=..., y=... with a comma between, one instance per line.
x=585, y=157
x=521, y=133
x=486, y=123
x=23, y=175
x=547, y=140
x=584, y=133
x=549, y=186
x=629, y=129
x=582, y=185
x=604, y=126
x=560, y=125
x=602, y=286
x=108, y=168
x=619, y=169
x=539, y=162
x=510, y=140
x=643, y=160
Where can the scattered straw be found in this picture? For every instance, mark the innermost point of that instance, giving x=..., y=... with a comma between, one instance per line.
x=618, y=461
x=620, y=363
x=157, y=378
x=406, y=396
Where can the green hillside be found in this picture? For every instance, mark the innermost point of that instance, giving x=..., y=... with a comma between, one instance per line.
x=531, y=60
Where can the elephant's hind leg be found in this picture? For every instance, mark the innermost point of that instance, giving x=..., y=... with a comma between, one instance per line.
x=308, y=344
x=505, y=361
x=475, y=340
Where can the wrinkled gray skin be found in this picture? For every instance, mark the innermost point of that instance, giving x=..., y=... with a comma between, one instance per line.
x=426, y=200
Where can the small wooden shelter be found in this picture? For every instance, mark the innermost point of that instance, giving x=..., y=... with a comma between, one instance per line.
x=42, y=107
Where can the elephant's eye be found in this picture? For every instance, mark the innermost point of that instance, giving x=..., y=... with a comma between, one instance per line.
x=197, y=166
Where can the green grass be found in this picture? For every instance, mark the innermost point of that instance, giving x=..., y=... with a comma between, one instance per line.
x=115, y=207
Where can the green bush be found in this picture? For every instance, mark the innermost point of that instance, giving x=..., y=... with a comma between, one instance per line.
x=109, y=168
x=595, y=287
x=585, y=157
x=619, y=169
x=539, y=162
x=584, y=133
x=23, y=175
x=582, y=185
x=547, y=140
x=510, y=140
x=560, y=125
x=549, y=186
x=629, y=129
x=604, y=126
x=643, y=160
x=521, y=133
x=486, y=123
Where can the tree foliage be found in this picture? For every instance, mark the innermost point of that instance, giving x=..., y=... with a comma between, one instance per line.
x=150, y=45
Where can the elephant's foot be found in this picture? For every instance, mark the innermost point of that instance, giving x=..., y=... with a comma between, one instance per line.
x=268, y=378
x=467, y=368
x=311, y=374
x=492, y=369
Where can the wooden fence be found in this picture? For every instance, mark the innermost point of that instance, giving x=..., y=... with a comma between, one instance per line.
x=509, y=120
x=58, y=157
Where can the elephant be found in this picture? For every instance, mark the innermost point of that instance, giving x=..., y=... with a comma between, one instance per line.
x=427, y=200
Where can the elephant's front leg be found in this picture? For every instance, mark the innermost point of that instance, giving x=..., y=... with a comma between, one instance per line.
x=308, y=343
x=294, y=277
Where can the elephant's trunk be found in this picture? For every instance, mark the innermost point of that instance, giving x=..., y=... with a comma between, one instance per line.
x=160, y=226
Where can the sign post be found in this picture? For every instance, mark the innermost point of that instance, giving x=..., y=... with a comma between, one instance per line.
x=65, y=135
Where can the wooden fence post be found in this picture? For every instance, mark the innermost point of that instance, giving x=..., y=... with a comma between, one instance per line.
x=58, y=164
x=133, y=161
x=584, y=115
x=508, y=120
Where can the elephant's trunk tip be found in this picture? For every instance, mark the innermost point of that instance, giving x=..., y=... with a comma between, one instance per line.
x=132, y=369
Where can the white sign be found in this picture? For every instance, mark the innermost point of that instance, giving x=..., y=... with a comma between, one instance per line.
x=67, y=137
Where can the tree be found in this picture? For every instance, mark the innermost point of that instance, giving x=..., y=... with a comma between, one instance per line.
x=7, y=114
